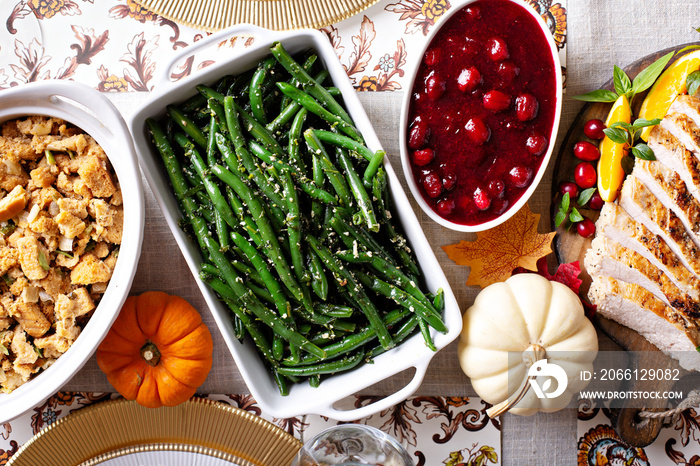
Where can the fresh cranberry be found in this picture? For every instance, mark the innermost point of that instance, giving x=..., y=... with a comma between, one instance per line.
x=419, y=134
x=568, y=187
x=423, y=156
x=499, y=206
x=445, y=206
x=594, y=129
x=449, y=180
x=473, y=13
x=519, y=176
x=496, y=188
x=585, y=228
x=481, y=199
x=477, y=131
x=526, y=107
x=584, y=150
x=432, y=184
x=536, y=144
x=468, y=79
x=434, y=86
x=596, y=202
x=585, y=175
x=496, y=49
x=471, y=47
x=496, y=101
x=508, y=71
x=432, y=56
x=465, y=205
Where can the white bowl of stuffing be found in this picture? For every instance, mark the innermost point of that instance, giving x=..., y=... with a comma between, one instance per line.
x=71, y=228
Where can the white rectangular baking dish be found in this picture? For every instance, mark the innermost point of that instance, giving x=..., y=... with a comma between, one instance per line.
x=302, y=398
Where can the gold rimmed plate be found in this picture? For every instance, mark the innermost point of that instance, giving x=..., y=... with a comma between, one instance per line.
x=121, y=432
x=213, y=15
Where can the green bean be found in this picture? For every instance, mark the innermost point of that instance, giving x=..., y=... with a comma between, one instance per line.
x=314, y=88
x=403, y=299
x=217, y=110
x=255, y=89
x=257, y=130
x=330, y=367
x=338, y=140
x=308, y=64
x=294, y=225
x=403, y=332
x=281, y=382
x=347, y=281
x=277, y=347
x=294, y=136
x=334, y=310
x=359, y=192
x=194, y=103
x=188, y=126
x=248, y=272
x=373, y=166
x=439, y=299
x=334, y=176
x=319, y=281
x=253, y=330
x=291, y=109
x=312, y=105
x=351, y=235
x=425, y=331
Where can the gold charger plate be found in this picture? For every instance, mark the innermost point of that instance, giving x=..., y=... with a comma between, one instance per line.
x=213, y=15
x=121, y=427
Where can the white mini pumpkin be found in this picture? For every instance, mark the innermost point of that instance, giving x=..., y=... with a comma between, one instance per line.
x=511, y=326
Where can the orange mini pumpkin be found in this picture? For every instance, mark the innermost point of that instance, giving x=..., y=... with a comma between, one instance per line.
x=158, y=350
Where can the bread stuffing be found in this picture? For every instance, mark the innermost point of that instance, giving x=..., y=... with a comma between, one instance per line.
x=61, y=219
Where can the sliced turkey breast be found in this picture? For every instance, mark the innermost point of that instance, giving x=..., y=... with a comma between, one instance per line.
x=615, y=224
x=687, y=105
x=673, y=154
x=671, y=191
x=636, y=308
x=643, y=207
x=684, y=129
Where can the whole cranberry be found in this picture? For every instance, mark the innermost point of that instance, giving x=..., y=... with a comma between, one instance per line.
x=445, y=206
x=568, y=187
x=584, y=150
x=468, y=79
x=496, y=188
x=432, y=184
x=585, y=175
x=432, y=56
x=594, y=129
x=496, y=101
x=434, y=86
x=496, y=49
x=507, y=71
x=596, y=202
x=449, y=180
x=481, y=199
x=526, y=107
x=473, y=13
x=477, y=131
x=536, y=144
x=519, y=176
x=419, y=134
x=423, y=157
x=585, y=228
x=465, y=205
x=499, y=206
x=470, y=46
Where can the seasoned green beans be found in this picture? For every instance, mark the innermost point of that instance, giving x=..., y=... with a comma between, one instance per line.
x=292, y=213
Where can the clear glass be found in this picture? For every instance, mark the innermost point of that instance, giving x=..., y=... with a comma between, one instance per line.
x=352, y=445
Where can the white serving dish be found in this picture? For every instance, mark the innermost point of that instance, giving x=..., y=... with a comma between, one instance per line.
x=403, y=125
x=302, y=398
x=94, y=114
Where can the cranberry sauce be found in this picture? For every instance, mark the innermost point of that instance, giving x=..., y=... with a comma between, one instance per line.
x=482, y=111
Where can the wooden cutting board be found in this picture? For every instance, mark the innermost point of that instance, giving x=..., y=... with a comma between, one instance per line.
x=570, y=247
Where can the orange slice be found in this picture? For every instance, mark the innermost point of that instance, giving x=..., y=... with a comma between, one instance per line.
x=667, y=87
x=610, y=172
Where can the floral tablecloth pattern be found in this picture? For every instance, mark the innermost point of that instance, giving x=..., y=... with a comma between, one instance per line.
x=452, y=431
x=599, y=444
x=116, y=45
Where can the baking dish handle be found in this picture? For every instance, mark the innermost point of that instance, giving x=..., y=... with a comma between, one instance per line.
x=379, y=405
x=243, y=29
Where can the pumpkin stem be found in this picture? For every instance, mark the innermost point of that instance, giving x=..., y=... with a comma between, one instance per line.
x=530, y=356
x=150, y=353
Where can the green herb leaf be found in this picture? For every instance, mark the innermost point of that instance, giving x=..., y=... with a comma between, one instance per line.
x=643, y=122
x=697, y=348
x=627, y=164
x=692, y=82
x=49, y=157
x=4, y=350
x=617, y=134
x=39, y=351
x=559, y=218
x=600, y=95
x=646, y=78
x=565, y=202
x=642, y=151
x=690, y=47
x=64, y=253
x=585, y=196
x=622, y=82
x=43, y=262
x=622, y=124
x=575, y=216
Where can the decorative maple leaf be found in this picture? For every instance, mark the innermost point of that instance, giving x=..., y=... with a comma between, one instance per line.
x=498, y=251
